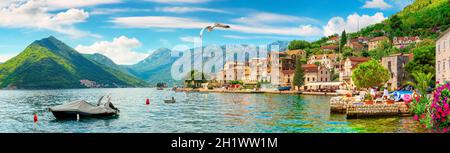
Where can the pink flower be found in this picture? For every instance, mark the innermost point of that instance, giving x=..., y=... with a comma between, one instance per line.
x=416, y=117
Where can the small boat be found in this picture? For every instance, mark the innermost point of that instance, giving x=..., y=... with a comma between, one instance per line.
x=344, y=92
x=284, y=88
x=404, y=95
x=80, y=109
x=170, y=100
x=160, y=88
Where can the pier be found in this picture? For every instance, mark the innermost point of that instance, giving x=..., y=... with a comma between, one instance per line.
x=354, y=108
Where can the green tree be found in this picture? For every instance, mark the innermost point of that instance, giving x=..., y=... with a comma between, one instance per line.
x=426, y=42
x=423, y=81
x=384, y=45
x=365, y=53
x=298, y=44
x=299, y=75
x=424, y=60
x=347, y=52
x=370, y=74
x=383, y=49
x=343, y=40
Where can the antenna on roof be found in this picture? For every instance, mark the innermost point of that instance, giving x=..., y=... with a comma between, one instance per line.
x=358, y=26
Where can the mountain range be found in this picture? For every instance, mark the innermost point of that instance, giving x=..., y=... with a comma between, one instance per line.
x=51, y=64
x=157, y=67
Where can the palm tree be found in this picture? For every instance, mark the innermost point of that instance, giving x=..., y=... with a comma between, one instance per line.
x=422, y=81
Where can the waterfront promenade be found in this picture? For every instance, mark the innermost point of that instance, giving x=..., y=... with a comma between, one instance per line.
x=254, y=91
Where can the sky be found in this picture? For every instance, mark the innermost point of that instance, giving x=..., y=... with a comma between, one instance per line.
x=128, y=31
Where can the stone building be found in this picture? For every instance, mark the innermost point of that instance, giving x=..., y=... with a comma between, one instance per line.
x=232, y=71
x=310, y=71
x=402, y=42
x=443, y=57
x=395, y=64
x=350, y=64
x=374, y=42
x=323, y=74
x=328, y=60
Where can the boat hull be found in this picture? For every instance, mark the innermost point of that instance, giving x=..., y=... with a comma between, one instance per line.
x=73, y=115
x=169, y=101
x=286, y=88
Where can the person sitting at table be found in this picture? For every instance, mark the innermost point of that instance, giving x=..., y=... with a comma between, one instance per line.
x=385, y=94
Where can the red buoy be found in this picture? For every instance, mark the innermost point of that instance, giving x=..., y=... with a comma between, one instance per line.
x=35, y=117
x=147, y=102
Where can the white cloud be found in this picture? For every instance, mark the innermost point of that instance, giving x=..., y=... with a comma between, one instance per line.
x=337, y=24
x=261, y=18
x=167, y=22
x=178, y=1
x=120, y=50
x=380, y=4
x=257, y=37
x=65, y=4
x=71, y=16
x=34, y=14
x=163, y=22
x=178, y=9
x=4, y=3
x=103, y=11
x=302, y=30
x=190, y=39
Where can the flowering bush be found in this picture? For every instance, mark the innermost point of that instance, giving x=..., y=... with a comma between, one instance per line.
x=439, y=108
x=420, y=107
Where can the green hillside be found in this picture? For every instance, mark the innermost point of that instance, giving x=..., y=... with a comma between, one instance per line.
x=105, y=61
x=424, y=18
x=51, y=64
x=117, y=70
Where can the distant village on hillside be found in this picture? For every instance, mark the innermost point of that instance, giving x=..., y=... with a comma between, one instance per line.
x=327, y=71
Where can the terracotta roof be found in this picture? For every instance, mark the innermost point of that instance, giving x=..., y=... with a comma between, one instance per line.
x=310, y=68
x=296, y=52
x=379, y=38
x=357, y=45
x=330, y=47
x=362, y=38
x=333, y=38
x=327, y=55
x=407, y=38
x=359, y=59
